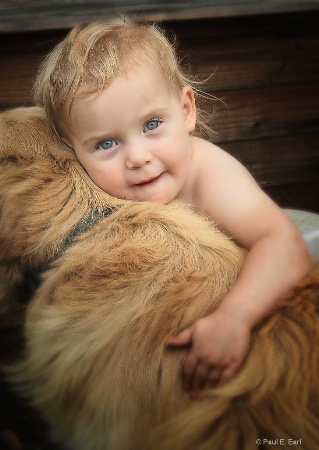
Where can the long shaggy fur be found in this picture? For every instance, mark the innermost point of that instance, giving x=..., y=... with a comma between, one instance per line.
x=96, y=361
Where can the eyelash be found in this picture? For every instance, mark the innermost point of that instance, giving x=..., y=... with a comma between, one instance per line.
x=106, y=140
x=114, y=142
x=159, y=121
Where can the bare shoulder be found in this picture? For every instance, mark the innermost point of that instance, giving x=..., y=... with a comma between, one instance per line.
x=201, y=146
x=215, y=170
x=226, y=191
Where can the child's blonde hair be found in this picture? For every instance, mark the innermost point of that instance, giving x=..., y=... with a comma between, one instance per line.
x=92, y=55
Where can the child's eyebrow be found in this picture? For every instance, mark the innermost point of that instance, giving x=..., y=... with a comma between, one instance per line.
x=148, y=115
x=94, y=139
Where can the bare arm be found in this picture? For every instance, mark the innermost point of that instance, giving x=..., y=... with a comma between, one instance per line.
x=277, y=260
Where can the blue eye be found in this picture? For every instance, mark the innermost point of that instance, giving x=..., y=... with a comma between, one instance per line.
x=107, y=144
x=152, y=125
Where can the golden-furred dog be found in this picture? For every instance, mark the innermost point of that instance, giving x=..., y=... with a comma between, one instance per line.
x=114, y=281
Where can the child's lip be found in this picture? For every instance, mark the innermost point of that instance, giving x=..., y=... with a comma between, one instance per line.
x=149, y=180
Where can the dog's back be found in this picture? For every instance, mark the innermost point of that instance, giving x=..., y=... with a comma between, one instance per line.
x=97, y=362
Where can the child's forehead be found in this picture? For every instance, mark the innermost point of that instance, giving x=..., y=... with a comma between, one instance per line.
x=143, y=76
x=127, y=102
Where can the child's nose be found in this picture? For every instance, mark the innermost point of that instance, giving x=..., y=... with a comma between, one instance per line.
x=137, y=156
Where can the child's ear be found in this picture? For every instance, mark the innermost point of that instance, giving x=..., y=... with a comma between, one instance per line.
x=189, y=108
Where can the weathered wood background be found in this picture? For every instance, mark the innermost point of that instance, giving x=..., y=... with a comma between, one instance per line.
x=264, y=68
x=261, y=59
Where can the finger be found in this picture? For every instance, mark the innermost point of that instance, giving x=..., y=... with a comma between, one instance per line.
x=200, y=377
x=213, y=378
x=183, y=338
x=227, y=375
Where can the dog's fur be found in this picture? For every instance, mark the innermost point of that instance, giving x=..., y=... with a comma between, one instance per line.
x=96, y=361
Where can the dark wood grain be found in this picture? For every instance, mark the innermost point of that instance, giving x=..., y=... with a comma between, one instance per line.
x=251, y=55
x=17, y=15
x=266, y=112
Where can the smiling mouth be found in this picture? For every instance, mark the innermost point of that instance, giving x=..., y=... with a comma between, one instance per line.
x=149, y=180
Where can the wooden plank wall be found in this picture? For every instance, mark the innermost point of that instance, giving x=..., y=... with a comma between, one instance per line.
x=266, y=72
x=57, y=14
x=263, y=69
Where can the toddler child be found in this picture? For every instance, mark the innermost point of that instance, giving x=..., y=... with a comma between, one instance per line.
x=115, y=94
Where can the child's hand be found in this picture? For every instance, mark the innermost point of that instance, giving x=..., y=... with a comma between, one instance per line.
x=220, y=343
